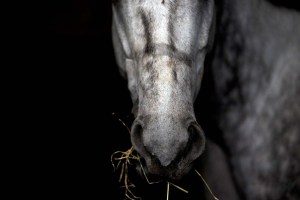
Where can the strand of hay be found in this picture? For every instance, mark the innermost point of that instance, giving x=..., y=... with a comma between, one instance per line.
x=176, y=186
x=125, y=158
x=179, y=188
x=144, y=173
x=206, y=185
x=168, y=190
x=122, y=123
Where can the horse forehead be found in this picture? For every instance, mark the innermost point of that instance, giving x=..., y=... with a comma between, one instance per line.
x=171, y=23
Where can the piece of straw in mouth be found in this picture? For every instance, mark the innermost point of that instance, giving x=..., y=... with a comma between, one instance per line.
x=176, y=186
x=168, y=190
x=123, y=159
x=179, y=188
x=210, y=191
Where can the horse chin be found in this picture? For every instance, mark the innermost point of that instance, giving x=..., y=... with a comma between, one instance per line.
x=155, y=174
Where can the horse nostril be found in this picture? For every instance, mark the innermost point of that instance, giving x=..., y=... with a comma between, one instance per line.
x=137, y=137
x=196, y=141
x=137, y=130
x=192, y=131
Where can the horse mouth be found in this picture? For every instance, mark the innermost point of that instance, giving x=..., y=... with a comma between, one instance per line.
x=155, y=174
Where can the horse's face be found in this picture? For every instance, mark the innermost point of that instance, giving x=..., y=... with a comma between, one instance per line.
x=160, y=46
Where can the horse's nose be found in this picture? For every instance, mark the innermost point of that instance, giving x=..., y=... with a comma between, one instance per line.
x=168, y=151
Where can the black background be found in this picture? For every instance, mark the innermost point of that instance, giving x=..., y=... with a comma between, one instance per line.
x=72, y=89
x=69, y=90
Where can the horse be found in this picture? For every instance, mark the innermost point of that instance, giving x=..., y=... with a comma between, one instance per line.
x=161, y=47
x=256, y=70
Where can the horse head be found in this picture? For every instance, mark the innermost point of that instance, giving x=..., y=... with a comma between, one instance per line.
x=160, y=47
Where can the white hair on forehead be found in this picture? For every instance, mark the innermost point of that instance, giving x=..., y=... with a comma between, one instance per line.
x=178, y=21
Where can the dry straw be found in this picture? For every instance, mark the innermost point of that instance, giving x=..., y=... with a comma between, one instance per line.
x=123, y=159
x=205, y=183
